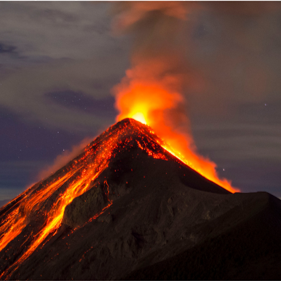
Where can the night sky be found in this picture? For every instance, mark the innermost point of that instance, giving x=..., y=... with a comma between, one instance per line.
x=60, y=60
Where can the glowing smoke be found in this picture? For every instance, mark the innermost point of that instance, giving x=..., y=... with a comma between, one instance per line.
x=152, y=90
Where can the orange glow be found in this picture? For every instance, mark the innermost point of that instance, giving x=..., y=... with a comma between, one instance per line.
x=150, y=100
x=72, y=181
x=139, y=117
x=77, y=177
x=44, y=203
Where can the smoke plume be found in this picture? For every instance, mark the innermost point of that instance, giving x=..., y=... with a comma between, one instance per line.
x=152, y=91
x=158, y=61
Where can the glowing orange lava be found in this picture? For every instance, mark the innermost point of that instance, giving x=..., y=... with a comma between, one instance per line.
x=35, y=216
x=148, y=101
x=71, y=182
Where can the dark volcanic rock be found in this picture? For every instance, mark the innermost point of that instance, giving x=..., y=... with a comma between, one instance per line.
x=236, y=248
x=83, y=207
x=148, y=218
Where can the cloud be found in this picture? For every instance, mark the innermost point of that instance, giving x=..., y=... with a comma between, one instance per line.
x=60, y=47
x=129, y=15
x=24, y=91
x=229, y=52
x=4, y=48
x=243, y=7
x=242, y=142
x=234, y=48
x=56, y=30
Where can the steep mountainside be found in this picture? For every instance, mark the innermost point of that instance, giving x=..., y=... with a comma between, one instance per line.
x=127, y=208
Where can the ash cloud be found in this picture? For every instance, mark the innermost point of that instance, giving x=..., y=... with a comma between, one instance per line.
x=226, y=58
x=222, y=54
x=226, y=50
x=158, y=53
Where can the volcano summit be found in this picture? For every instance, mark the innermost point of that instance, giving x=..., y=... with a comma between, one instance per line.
x=126, y=208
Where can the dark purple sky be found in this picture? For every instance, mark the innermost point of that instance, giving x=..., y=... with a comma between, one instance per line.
x=60, y=60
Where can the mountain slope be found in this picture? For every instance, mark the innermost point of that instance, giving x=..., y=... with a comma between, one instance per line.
x=123, y=208
x=244, y=243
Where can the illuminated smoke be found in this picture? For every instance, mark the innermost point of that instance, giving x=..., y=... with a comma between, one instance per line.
x=152, y=91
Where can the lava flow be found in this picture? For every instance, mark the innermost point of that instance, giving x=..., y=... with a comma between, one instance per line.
x=148, y=101
x=68, y=183
x=35, y=216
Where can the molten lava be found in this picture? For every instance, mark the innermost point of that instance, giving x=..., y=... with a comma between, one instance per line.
x=68, y=183
x=147, y=101
x=35, y=216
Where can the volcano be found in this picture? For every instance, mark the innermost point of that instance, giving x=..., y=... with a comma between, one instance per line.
x=126, y=208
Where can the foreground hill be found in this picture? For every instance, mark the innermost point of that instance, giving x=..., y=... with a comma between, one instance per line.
x=127, y=209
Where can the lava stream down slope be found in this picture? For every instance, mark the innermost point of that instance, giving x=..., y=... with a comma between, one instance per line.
x=123, y=204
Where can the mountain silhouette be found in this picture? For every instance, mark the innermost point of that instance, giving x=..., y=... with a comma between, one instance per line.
x=126, y=208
